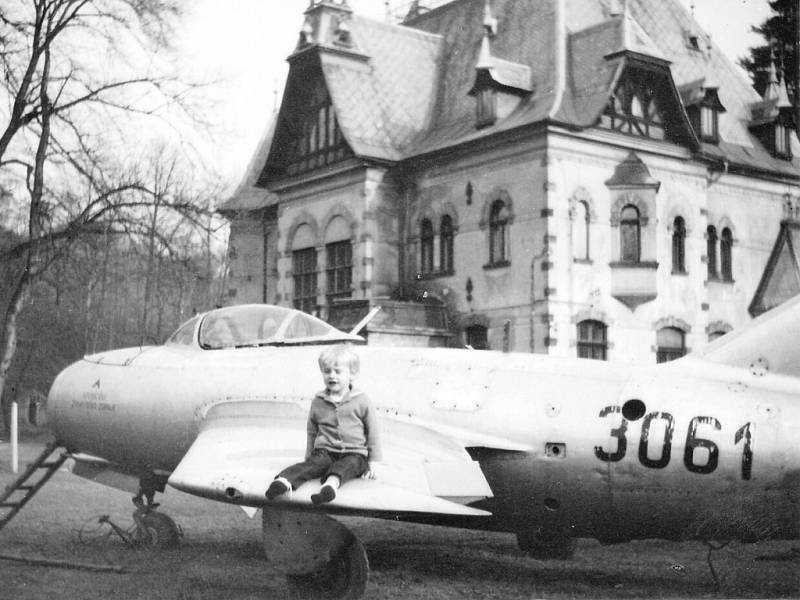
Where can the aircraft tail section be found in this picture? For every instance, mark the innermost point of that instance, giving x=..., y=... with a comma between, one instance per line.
x=769, y=344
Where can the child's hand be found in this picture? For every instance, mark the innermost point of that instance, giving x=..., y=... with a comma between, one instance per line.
x=372, y=470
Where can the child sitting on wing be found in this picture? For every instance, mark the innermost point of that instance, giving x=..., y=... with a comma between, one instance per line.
x=342, y=431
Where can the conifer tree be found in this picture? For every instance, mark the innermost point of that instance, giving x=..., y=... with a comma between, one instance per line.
x=780, y=33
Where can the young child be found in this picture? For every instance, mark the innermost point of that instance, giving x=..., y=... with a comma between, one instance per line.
x=342, y=431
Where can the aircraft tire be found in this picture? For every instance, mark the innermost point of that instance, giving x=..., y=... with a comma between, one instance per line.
x=158, y=530
x=343, y=578
x=542, y=546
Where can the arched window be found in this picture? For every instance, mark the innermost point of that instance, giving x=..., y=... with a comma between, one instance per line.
x=592, y=342
x=725, y=254
x=580, y=231
x=678, y=245
x=781, y=140
x=716, y=335
x=426, y=247
x=476, y=337
x=304, y=269
x=338, y=260
x=446, y=244
x=671, y=344
x=630, y=234
x=711, y=251
x=498, y=233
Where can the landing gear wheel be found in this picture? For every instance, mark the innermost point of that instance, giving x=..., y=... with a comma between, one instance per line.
x=155, y=529
x=543, y=545
x=344, y=577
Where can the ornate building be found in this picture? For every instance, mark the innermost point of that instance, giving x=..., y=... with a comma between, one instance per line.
x=587, y=177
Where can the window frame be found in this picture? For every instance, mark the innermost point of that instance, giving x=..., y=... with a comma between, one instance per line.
x=665, y=353
x=338, y=270
x=499, y=219
x=446, y=244
x=726, y=254
x=709, y=123
x=634, y=107
x=588, y=344
x=304, y=278
x=315, y=138
x=581, y=206
x=485, y=107
x=781, y=140
x=711, y=252
x=426, y=245
x=679, y=245
x=632, y=226
x=477, y=337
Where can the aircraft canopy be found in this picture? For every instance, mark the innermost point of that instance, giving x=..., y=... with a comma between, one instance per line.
x=252, y=325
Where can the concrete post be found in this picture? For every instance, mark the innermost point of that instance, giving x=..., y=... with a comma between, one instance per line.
x=14, y=438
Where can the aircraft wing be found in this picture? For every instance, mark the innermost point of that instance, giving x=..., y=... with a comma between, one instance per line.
x=242, y=445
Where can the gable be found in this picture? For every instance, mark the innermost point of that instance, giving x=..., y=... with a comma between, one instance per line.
x=646, y=103
x=307, y=134
x=781, y=278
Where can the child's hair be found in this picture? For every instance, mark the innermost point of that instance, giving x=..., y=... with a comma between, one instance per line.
x=342, y=352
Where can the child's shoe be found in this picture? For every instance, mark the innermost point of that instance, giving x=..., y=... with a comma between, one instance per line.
x=326, y=494
x=277, y=487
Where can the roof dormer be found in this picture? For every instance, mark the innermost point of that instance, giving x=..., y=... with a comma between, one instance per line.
x=644, y=100
x=500, y=85
x=701, y=99
x=771, y=119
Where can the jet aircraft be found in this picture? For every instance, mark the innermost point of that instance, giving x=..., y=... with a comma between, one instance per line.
x=550, y=449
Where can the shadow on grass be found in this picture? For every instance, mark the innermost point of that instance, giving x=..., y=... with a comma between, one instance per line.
x=496, y=566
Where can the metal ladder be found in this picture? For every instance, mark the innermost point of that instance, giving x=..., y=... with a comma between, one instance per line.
x=28, y=484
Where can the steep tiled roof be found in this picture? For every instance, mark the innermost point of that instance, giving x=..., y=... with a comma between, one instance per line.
x=410, y=97
x=525, y=35
x=591, y=76
x=383, y=104
x=247, y=195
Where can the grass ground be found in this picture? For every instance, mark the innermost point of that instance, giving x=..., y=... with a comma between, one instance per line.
x=220, y=557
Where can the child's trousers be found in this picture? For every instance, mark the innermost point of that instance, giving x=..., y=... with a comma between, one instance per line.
x=323, y=463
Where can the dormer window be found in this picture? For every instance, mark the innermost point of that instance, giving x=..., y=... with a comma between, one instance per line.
x=772, y=118
x=307, y=136
x=709, y=124
x=703, y=107
x=774, y=134
x=486, y=107
x=782, y=141
x=634, y=107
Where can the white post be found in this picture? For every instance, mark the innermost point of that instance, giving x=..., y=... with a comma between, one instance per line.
x=14, y=438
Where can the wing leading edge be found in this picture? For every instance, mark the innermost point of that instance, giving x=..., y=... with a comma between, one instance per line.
x=242, y=445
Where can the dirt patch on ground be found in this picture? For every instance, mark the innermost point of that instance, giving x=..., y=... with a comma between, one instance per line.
x=220, y=557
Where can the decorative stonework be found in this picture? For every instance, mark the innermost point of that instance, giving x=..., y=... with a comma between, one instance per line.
x=304, y=218
x=673, y=322
x=718, y=327
x=496, y=194
x=632, y=199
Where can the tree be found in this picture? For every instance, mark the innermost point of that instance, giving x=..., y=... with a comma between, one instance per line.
x=79, y=76
x=782, y=34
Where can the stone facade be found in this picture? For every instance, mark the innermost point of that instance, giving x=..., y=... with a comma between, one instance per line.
x=518, y=230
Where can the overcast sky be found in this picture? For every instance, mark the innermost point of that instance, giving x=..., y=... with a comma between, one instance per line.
x=243, y=44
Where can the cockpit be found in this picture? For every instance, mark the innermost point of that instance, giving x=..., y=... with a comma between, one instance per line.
x=254, y=325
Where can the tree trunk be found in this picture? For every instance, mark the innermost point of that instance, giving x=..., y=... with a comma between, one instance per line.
x=20, y=292
x=18, y=297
